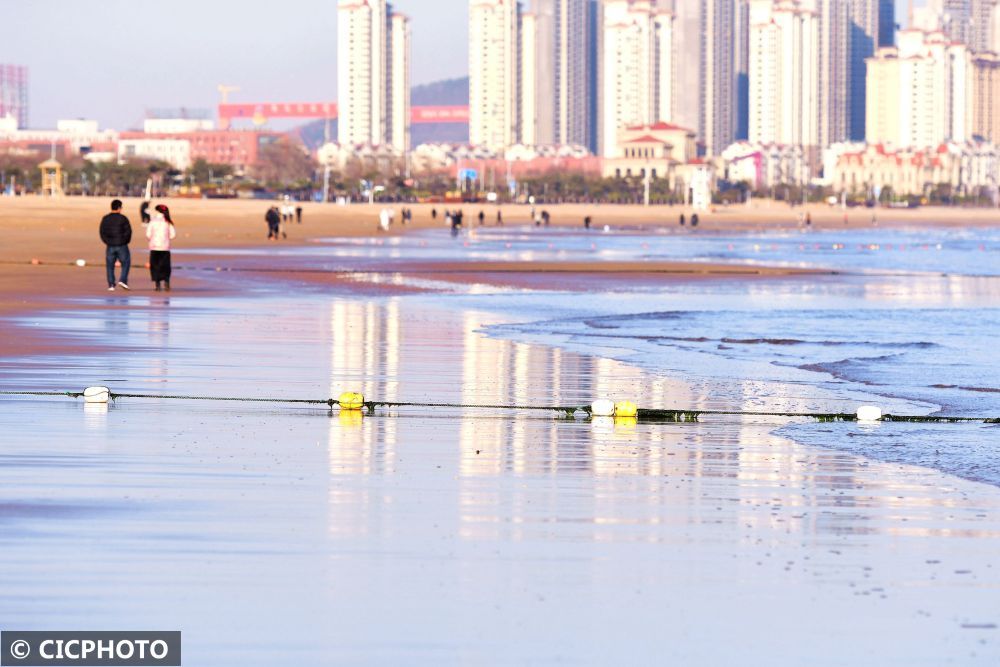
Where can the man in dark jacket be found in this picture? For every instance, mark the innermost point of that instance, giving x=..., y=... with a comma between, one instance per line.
x=273, y=218
x=116, y=232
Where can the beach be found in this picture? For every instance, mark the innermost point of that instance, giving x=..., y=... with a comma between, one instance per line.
x=275, y=532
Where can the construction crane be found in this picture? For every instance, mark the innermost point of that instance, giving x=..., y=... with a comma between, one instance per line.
x=224, y=91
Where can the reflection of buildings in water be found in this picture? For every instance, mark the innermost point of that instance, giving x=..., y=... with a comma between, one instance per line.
x=539, y=444
x=933, y=291
x=364, y=356
x=158, y=340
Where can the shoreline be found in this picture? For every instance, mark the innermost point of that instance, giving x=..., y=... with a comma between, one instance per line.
x=751, y=524
x=54, y=234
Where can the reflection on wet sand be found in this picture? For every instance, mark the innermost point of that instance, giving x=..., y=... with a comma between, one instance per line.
x=409, y=536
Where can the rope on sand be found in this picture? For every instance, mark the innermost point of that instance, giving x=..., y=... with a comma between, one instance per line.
x=622, y=409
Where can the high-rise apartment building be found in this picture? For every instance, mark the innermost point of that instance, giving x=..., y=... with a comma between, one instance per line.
x=970, y=22
x=546, y=59
x=784, y=73
x=14, y=93
x=373, y=74
x=534, y=129
x=719, y=42
x=954, y=18
x=495, y=100
x=981, y=25
x=918, y=91
x=984, y=97
x=398, y=83
x=561, y=53
x=637, y=68
x=711, y=71
x=849, y=33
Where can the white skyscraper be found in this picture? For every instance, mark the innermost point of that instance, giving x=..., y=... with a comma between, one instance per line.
x=372, y=74
x=494, y=73
x=784, y=71
x=637, y=68
x=398, y=112
x=918, y=92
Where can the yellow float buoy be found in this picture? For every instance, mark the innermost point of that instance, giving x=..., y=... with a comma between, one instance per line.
x=625, y=409
x=351, y=400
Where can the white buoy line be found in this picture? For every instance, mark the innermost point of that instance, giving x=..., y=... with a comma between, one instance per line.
x=352, y=401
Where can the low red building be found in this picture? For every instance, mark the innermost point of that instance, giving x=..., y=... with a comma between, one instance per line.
x=238, y=148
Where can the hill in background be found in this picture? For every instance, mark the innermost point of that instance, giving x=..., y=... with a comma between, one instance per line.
x=450, y=92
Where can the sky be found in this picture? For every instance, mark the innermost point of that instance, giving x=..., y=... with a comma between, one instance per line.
x=110, y=60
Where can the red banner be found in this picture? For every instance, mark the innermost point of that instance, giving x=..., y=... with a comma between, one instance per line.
x=263, y=111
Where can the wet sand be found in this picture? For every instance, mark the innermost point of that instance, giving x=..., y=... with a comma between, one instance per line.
x=271, y=534
x=44, y=238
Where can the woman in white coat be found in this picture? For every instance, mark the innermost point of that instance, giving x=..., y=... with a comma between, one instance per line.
x=160, y=232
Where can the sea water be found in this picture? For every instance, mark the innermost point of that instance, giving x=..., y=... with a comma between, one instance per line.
x=274, y=534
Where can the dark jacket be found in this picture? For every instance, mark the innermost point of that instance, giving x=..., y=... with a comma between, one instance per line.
x=272, y=217
x=115, y=229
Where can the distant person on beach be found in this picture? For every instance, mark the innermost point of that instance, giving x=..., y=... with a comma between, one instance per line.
x=682, y=220
x=160, y=232
x=384, y=219
x=434, y=214
x=482, y=218
x=499, y=218
x=546, y=218
x=144, y=212
x=116, y=232
x=809, y=219
x=273, y=219
x=694, y=219
x=298, y=214
x=586, y=222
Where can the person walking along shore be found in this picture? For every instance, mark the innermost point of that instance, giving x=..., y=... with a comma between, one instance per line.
x=160, y=232
x=116, y=233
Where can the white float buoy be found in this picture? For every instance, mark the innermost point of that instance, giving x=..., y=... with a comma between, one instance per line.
x=869, y=413
x=602, y=407
x=96, y=395
x=81, y=262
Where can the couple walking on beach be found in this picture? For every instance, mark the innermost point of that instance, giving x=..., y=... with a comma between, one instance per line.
x=116, y=233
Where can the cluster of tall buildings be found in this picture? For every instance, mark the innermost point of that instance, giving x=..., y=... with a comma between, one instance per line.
x=581, y=71
x=807, y=73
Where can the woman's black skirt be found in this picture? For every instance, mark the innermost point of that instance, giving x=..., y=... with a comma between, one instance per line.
x=159, y=265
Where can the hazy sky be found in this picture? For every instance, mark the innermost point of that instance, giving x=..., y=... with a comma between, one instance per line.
x=111, y=59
